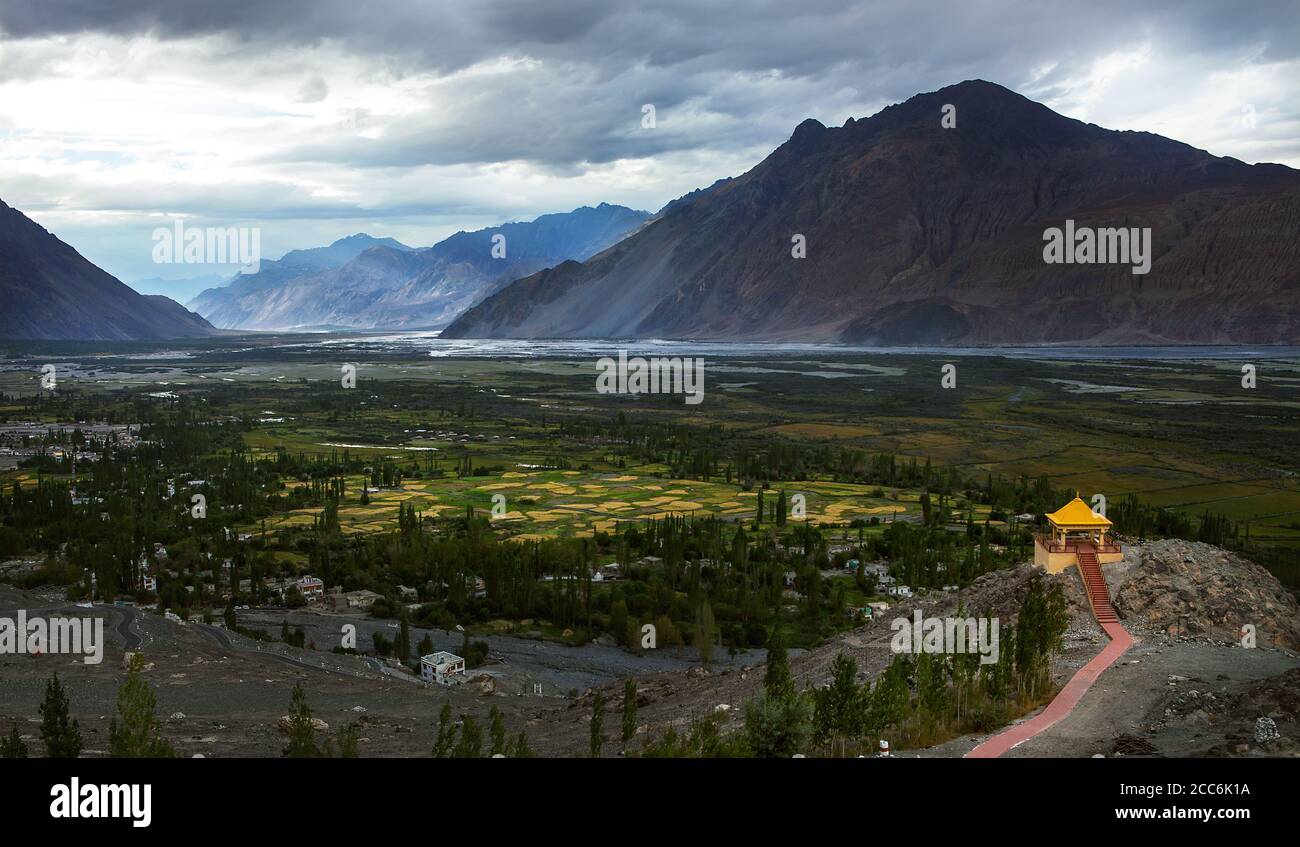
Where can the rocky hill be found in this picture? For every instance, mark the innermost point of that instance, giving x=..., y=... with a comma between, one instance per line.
x=920, y=234
x=50, y=291
x=1189, y=588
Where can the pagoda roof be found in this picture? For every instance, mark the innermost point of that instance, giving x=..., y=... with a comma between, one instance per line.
x=1077, y=513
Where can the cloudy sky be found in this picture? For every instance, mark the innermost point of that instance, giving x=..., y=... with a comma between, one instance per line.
x=321, y=118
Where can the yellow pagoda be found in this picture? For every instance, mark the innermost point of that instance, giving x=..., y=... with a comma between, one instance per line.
x=1075, y=528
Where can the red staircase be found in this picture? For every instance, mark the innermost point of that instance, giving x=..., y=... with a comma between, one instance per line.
x=1095, y=584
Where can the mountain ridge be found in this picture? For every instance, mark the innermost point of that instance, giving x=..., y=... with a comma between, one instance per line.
x=919, y=234
x=383, y=287
x=52, y=292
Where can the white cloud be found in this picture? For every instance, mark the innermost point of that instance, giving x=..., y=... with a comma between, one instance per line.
x=316, y=125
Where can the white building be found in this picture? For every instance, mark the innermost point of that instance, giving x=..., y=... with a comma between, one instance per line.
x=441, y=667
x=311, y=587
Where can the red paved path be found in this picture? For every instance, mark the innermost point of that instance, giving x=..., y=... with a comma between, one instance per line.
x=1065, y=701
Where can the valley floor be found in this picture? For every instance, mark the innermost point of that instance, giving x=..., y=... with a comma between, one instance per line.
x=221, y=695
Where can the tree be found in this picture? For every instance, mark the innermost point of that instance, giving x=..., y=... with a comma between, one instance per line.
x=13, y=747
x=302, y=732
x=597, y=724
x=426, y=645
x=777, y=682
x=932, y=688
x=345, y=742
x=890, y=699
x=497, y=733
x=837, y=708
x=231, y=620
x=518, y=747
x=704, y=632
x=778, y=728
x=402, y=649
x=138, y=735
x=446, y=740
x=629, y=709
x=470, y=745
x=1039, y=627
x=61, y=733
x=780, y=508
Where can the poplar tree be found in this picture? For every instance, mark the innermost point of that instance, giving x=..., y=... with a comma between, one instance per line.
x=446, y=740
x=837, y=707
x=60, y=732
x=629, y=709
x=403, y=646
x=597, y=724
x=138, y=735
x=470, y=745
x=13, y=747
x=777, y=682
x=302, y=733
x=704, y=632
x=497, y=733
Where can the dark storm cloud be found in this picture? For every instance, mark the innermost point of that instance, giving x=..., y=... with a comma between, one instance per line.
x=759, y=66
x=465, y=90
x=807, y=36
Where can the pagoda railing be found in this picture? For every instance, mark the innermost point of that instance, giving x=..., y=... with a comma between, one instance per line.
x=1072, y=545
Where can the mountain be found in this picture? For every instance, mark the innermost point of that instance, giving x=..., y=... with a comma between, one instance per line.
x=920, y=234
x=50, y=291
x=244, y=299
x=391, y=286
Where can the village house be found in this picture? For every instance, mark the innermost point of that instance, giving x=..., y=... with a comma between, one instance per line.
x=441, y=667
x=362, y=600
x=310, y=587
x=346, y=601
